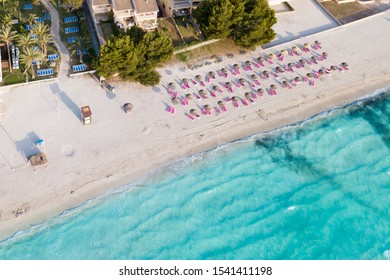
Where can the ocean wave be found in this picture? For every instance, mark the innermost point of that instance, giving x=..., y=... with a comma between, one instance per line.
x=386, y=254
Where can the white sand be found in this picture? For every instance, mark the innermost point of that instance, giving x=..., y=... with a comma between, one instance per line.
x=85, y=161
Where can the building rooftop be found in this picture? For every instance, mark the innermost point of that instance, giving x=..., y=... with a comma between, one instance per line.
x=100, y=2
x=144, y=6
x=121, y=5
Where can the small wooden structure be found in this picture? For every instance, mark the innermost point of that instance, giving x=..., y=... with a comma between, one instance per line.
x=86, y=115
x=127, y=107
x=38, y=159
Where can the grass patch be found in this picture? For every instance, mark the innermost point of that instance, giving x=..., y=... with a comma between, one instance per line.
x=167, y=26
x=107, y=30
x=15, y=78
x=187, y=30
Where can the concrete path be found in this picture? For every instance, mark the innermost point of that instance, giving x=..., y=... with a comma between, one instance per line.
x=55, y=33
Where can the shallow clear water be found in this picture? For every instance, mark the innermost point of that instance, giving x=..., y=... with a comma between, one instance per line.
x=317, y=190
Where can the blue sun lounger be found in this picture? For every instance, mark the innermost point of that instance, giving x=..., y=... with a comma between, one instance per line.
x=36, y=48
x=79, y=68
x=34, y=62
x=28, y=27
x=45, y=72
x=34, y=36
x=46, y=17
x=84, y=51
x=71, y=39
x=52, y=57
x=39, y=19
x=27, y=6
x=72, y=29
x=71, y=19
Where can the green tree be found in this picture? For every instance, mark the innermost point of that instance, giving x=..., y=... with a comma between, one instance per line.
x=25, y=41
x=6, y=19
x=31, y=19
x=158, y=47
x=27, y=57
x=255, y=27
x=7, y=36
x=72, y=5
x=248, y=22
x=42, y=31
x=215, y=18
x=77, y=48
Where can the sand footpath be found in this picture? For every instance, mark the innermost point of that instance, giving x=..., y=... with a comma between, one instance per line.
x=117, y=148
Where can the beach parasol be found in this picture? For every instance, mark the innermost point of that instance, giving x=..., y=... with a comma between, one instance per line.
x=283, y=52
x=284, y=83
x=260, y=59
x=202, y=92
x=127, y=107
x=344, y=64
x=272, y=86
x=317, y=42
x=306, y=46
x=207, y=107
x=310, y=75
x=194, y=112
x=241, y=80
x=297, y=79
x=325, y=55
x=198, y=77
x=224, y=70
x=260, y=91
x=221, y=103
x=290, y=65
x=235, y=98
x=212, y=74
x=302, y=62
x=279, y=69
x=175, y=101
x=313, y=58
x=265, y=73
x=321, y=72
x=248, y=63
x=216, y=88
x=229, y=84
x=253, y=77
x=171, y=85
x=248, y=95
x=272, y=56
x=295, y=48
x=236, y=67
x=185, y=80
x=333, y=68
x=189, y=96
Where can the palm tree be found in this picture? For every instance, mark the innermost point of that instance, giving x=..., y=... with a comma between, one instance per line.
x=44, y=40
x=6, y=19
x=78, y=45
x=25, y=41
x=40, y=28
x=7, y=36
x=27, y=57
x=31, y=20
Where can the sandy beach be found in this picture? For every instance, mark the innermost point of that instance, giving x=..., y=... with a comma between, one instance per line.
x=118, y=148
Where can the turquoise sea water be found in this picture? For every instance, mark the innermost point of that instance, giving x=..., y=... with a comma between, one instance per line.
x=316, y=190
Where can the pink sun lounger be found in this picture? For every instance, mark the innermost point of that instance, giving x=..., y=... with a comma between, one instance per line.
x=252, y=84
x=270, y=61
x=238, y=72
x=183, y=86
x=213, y=94
x=226, y=75
x=345, y=68
x=257, y=65
x=224, y=108
x=175, y=94
x=291, y=53
x=193, y=81
x=305, y=79
x=234, y=72
x=251, y=100
x=231, y=89
x=244, y=102
x=257, y=82
x=184, y=102
x=197, y=96
x=202, y=83
x=237, y=84
x=289, y=86
x=190, y=117
x=217, y=110
x=262, y=64
x=208, y=79
x=312, y=83
x=309, y=62
x=235, y=104
x=204, y=111
x=254, y=95
x=172, y=109
x=297, y=65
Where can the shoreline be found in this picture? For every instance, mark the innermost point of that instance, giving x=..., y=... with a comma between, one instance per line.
x=171, y=146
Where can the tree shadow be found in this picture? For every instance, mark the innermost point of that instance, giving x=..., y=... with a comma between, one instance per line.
x=168, y=72
x=26, y=146
x=66, y=100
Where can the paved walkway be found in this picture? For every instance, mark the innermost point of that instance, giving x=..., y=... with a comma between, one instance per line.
x=55, y=33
